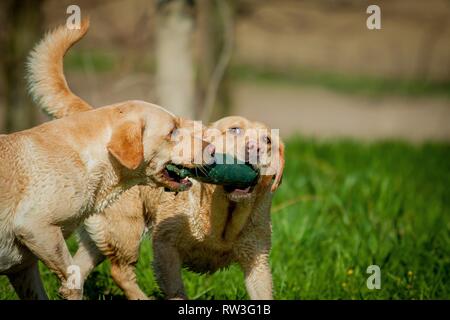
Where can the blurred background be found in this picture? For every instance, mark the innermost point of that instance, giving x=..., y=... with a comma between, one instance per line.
x=304, y=66
x=365, y=115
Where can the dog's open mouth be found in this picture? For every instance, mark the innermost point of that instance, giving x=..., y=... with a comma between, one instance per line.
x=240, y=191
x=176, y=177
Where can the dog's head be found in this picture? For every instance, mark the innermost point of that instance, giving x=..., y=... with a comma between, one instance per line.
x=145, y=138
x=253, y=143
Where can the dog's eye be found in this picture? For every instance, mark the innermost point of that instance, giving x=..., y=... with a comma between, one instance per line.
x=235, y=130
x=173, y=133
x=267, y=139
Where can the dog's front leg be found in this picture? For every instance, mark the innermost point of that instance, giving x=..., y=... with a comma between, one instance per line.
x=125, y=277
x=47, y=243
x=258, y=277
x=167, y=268
x=88, y=256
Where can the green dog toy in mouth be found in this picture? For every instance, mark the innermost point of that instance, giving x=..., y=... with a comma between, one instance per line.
x=178, y=175
x=226, y=171
x=181, y=172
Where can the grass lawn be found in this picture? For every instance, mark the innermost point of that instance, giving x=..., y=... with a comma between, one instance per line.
x=342, y=207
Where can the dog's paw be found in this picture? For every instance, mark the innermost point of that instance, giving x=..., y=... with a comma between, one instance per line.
x=70, y=294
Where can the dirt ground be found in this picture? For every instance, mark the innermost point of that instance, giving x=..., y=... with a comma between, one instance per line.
x=324, y=114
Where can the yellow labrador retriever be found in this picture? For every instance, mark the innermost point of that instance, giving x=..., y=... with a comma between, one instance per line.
x=55, y=175
x=204, y=229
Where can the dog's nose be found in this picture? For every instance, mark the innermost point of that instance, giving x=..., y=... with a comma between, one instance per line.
x=209, y=151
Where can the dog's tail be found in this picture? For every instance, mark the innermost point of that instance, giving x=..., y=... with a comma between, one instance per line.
x=46, y=81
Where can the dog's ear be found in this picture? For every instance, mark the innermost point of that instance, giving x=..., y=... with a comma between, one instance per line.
x=279, y=167
x=126, y=144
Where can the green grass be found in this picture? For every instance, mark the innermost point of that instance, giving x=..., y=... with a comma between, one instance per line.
x=91, y=61
x=342, y=207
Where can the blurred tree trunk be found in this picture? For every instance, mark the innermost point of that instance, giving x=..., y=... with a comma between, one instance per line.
x=207, y=48
x=21, y=23
x=174, y=56
x=215, y=44
x=432, y=35
x=207, y=96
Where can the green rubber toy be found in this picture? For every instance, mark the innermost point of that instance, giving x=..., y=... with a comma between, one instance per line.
x=226, y=170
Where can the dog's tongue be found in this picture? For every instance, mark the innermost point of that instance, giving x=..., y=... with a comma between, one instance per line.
x=242, y=190
x=186, y=182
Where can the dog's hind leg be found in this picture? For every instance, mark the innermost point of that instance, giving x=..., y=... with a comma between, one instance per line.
x=28, y=283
